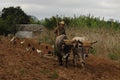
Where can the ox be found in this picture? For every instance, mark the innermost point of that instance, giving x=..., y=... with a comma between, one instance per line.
x=62, y=48
x=81, y=50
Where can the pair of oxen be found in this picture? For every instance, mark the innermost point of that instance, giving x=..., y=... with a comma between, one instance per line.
x=79, y=46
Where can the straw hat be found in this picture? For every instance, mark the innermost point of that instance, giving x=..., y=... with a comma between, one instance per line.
x=62, y=22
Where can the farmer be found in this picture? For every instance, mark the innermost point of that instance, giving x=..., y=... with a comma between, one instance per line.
x=60, y=29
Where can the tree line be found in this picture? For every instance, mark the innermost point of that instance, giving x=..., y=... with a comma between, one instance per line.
x=11, y=16
x=81, y=21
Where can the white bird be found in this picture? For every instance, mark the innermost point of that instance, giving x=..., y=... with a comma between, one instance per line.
x=22, y=42
x=27, y=48
x=38, y=51
x=13, y=39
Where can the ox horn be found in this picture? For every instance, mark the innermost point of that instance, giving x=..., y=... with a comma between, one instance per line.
x=80, y=42
x=94, y=42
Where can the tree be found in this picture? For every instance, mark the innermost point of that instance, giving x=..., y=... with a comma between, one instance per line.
x=15, y=15
x=10, y=17
x=34, y=20
x=52, y=22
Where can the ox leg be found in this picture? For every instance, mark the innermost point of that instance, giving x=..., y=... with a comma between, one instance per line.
x=82, y=61
x=83, y=64
x=60, y=60
x=66, y=63
x=74, y=57
x=75, y=60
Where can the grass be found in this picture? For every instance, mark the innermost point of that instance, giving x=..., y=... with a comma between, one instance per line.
x=108, y=39
x=54, y=76
x=114, y=56
x=44, y=71
x=47, y=36
x=93, y=51
x=22, y=72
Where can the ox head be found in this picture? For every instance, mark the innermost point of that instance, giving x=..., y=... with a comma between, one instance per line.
x=85, y=47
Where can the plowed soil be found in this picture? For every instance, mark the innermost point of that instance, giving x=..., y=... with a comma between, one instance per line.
x=18, y=64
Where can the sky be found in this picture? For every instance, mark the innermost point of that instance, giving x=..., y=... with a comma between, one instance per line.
x=109, y=9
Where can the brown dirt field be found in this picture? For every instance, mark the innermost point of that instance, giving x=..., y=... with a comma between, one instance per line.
x=18, y=64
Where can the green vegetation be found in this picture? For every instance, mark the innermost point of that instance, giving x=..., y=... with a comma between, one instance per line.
x=108, y=40
x=54, y=76
x=45, y=71
x=15, y=15
x=81, y=21
x=12, y=16
x=22, y=72
x=47, y=36
x=92, y=51
x=107, y=33
x=114, y=56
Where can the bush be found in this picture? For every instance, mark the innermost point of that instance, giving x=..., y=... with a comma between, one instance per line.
x=93, y=51
x=81, y=21
x=114, y=56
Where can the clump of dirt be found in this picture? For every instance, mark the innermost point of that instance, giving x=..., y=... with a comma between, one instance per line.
x=18, y=64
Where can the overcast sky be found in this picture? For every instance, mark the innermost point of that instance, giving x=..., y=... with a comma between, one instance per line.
x=47, y=8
